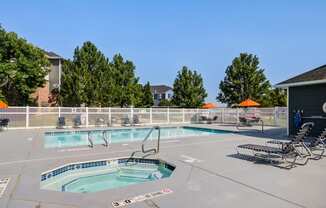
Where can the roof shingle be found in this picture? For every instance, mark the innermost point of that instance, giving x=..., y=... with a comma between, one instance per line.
x=160, y=88
x=316, y=74
x=52, y=55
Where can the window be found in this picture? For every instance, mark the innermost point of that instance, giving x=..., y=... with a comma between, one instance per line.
x=156, y=96
x=163, y=96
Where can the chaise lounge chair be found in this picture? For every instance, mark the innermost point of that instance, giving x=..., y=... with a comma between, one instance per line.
x=310, y=145
x=287, y=150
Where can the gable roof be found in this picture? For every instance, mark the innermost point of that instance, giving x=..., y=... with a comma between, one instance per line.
x=52, y=55
x=160, y=88
x=315, y=76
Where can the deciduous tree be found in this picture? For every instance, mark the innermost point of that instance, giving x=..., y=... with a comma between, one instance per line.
x=23, y=68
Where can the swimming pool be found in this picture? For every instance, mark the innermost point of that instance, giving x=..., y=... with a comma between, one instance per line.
x=93, y=176
x=80, y=138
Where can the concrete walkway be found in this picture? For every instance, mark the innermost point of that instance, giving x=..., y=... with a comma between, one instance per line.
x=207, y=174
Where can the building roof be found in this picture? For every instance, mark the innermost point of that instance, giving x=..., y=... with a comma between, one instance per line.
x=52, y=55
x=315, y=76
x=160, y=88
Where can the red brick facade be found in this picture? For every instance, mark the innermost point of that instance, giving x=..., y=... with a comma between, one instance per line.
x=41, y=95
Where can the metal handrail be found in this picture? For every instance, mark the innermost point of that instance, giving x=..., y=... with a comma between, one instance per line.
x=89, y=137
x=105, y=139
x=157, y=149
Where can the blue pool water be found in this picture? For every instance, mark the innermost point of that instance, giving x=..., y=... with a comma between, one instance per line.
x=103, y=175
x=79, y=138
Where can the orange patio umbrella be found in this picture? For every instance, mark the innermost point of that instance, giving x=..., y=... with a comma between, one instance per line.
x=249, y=103
x=208, y=106
x=3, y=105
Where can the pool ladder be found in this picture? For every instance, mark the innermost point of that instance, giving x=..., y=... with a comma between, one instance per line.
x=154, y=150
x=151, y=151
x=106, y=139
x=90, y=140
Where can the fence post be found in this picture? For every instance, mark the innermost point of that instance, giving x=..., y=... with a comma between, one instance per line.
x=150, y=116
x=223, y=114
x=59, y=111
x=238, y=114
x=131, y=114
x=183, y=115
x=27, y=116
x=197, y=116
x=110, y=118
x=86, y=116
x=276, y=116
x=168, y=115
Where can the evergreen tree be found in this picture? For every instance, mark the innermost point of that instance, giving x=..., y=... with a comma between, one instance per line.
x=188, y=89
x=87, y=79
x=127, y=90
x=165, y=103
x=244, y=79
x=23, y=68
x=276, y=97
x=147, y=100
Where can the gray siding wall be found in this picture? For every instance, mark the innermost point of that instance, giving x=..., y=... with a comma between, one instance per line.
x=310, y=99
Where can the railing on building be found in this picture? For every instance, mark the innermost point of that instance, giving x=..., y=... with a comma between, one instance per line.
x=46, y=117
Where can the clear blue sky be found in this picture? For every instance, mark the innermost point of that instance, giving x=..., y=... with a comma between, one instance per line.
x=161, y=36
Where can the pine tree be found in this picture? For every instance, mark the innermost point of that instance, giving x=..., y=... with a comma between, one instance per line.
x=127, y=89
x=188, y=89
x=244, y=79
x=147, y=100
x=87, y=78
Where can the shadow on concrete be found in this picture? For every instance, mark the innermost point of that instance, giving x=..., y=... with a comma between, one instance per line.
x=271, y=133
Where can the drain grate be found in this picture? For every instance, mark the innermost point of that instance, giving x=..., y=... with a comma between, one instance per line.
x=3, y=185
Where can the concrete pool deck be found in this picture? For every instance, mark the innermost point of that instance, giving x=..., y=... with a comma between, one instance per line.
x=207, y=174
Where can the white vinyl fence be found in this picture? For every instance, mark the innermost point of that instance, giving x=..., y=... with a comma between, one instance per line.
x=47, y=117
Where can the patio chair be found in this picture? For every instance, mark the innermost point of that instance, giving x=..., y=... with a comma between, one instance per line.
x=77, y=121
x=135, y=120
x=4, y=122
x=214, y=119
x=203, y=120
x=100, y=122
x=61, y=123
x=125, y=121
x=287, y=151
x=249, y=122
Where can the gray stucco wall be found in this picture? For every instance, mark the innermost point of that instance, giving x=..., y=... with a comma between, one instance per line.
x=310, y=99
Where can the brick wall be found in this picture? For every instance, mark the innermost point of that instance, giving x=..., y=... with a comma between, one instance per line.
x=42, y=95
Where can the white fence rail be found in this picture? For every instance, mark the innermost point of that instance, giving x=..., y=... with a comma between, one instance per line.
x=47, y=117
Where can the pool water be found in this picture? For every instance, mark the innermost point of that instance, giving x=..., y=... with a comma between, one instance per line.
x=79, y=138
x=113, y=175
